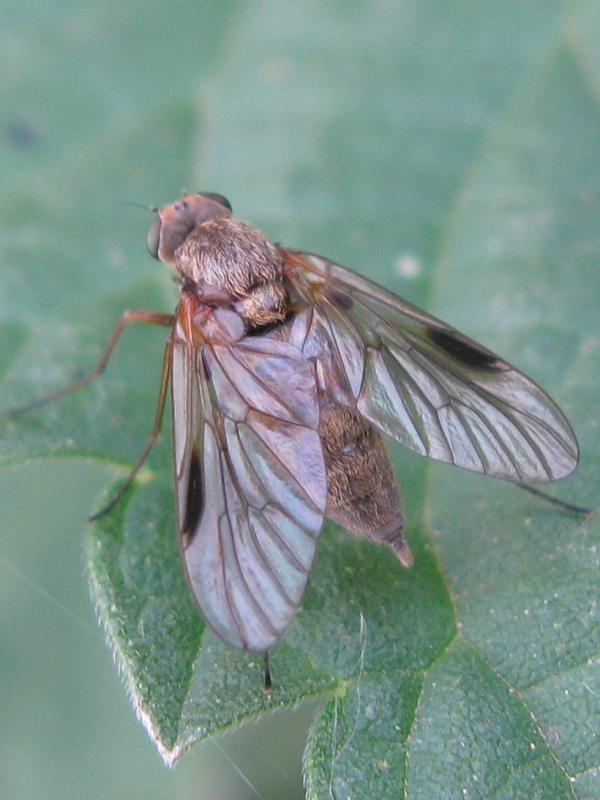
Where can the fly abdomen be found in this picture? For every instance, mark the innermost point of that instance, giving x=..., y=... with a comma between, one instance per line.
x=363, y=494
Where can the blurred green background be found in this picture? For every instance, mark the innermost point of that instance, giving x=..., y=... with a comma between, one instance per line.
x=384, y=134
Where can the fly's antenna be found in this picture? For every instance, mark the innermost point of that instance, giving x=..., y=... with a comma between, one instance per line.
x=153, y=209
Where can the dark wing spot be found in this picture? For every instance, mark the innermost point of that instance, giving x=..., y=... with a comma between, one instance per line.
x=465, y=352
x=194, y=498
x=340, y=300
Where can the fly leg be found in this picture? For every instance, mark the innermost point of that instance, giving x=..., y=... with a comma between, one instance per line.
x=267, y=671
x=556, y=500
x=129, y=315
x=155, y=433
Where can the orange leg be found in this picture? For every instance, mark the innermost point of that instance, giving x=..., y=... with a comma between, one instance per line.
x=156, y=429
x=129, y=315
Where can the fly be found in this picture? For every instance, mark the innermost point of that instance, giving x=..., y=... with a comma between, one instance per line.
x=286, y=371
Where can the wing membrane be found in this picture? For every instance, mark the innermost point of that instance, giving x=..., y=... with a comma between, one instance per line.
x=423, y=383
x=250, y=420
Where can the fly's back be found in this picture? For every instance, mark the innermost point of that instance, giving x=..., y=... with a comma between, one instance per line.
x=235, y=257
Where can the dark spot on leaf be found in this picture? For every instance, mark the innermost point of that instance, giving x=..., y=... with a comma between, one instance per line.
x=464, y=352
x=22, y=135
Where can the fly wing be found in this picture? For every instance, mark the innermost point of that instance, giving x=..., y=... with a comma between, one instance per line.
x=422, y=382
x=251, y=483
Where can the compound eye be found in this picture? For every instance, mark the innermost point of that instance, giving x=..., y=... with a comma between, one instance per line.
x=153, y=238
x=218, y=198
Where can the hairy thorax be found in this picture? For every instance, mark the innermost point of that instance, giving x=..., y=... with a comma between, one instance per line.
x=231, y=256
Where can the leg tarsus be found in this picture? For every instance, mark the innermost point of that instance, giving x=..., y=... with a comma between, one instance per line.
x=129, y=315
x=586, y=512
x=267, y=668
x=156, y=429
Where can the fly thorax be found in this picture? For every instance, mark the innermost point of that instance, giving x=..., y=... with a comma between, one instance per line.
x=233, y=256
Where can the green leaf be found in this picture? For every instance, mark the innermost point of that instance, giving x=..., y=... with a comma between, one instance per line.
x=446, y=150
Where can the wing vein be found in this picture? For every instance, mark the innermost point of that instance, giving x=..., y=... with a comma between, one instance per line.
x=277, y=398
x=224, y=456
x=338, y=354
x=288, y=471
x=279, y=506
